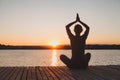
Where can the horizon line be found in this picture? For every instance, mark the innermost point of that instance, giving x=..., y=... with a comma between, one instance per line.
x=51, y=45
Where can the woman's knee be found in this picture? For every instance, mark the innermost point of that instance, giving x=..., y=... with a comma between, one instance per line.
x=87, y=57
x=64, y=58
x=88, y=54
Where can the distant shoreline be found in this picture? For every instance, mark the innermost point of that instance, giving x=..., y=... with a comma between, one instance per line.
x=62, y=47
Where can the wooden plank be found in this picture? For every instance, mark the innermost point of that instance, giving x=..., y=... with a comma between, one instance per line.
x=47, y=73
x=54, y=72
x=89, y=75
x=38, y=74
x=101, y=73
x=14, y=75
x=60, y=74
x=11, y=73
x=1, y=69
x=29, y=74
x=20, y=74
x=66, y=70
x=3, y=72
x=7, y=74
x=81, y=74
x=44, y=77
x=33, y=76
x=116, y=67
x=51, y=73
x=108, y=72
x=25, y=72
x=70, y=77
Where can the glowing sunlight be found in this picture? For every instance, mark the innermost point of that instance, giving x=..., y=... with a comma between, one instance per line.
x=54, y=58
x=54, y=43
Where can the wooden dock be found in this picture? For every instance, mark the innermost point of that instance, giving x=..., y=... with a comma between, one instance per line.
x=60, y=73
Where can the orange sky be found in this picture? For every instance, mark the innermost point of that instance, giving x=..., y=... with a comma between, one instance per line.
x=36, y=22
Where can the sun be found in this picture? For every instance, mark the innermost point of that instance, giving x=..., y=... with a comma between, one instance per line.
x=54, y=43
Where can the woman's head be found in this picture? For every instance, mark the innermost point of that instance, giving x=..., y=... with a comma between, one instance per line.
x=78, y=29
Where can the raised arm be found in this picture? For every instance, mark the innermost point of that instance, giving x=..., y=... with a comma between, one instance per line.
x=86, y=31
x=68, y=29
x=85, y=25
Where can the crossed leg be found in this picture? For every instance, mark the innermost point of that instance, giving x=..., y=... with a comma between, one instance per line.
x=87, y=59
x=69, y=63
x=66, y=60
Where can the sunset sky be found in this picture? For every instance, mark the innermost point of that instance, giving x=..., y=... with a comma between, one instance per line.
x=39, y=22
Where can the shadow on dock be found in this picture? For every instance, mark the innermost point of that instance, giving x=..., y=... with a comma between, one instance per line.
x=110, y=72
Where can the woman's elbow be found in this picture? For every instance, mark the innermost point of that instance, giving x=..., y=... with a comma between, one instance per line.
x=67, y=27
x=87, y=28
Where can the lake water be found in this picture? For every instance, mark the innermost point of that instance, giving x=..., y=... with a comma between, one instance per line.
x=51, y=57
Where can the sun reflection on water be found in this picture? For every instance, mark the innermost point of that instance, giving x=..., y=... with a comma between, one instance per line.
x=54, y=58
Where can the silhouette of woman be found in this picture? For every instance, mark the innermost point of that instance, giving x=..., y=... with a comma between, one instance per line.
x=79, y=59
